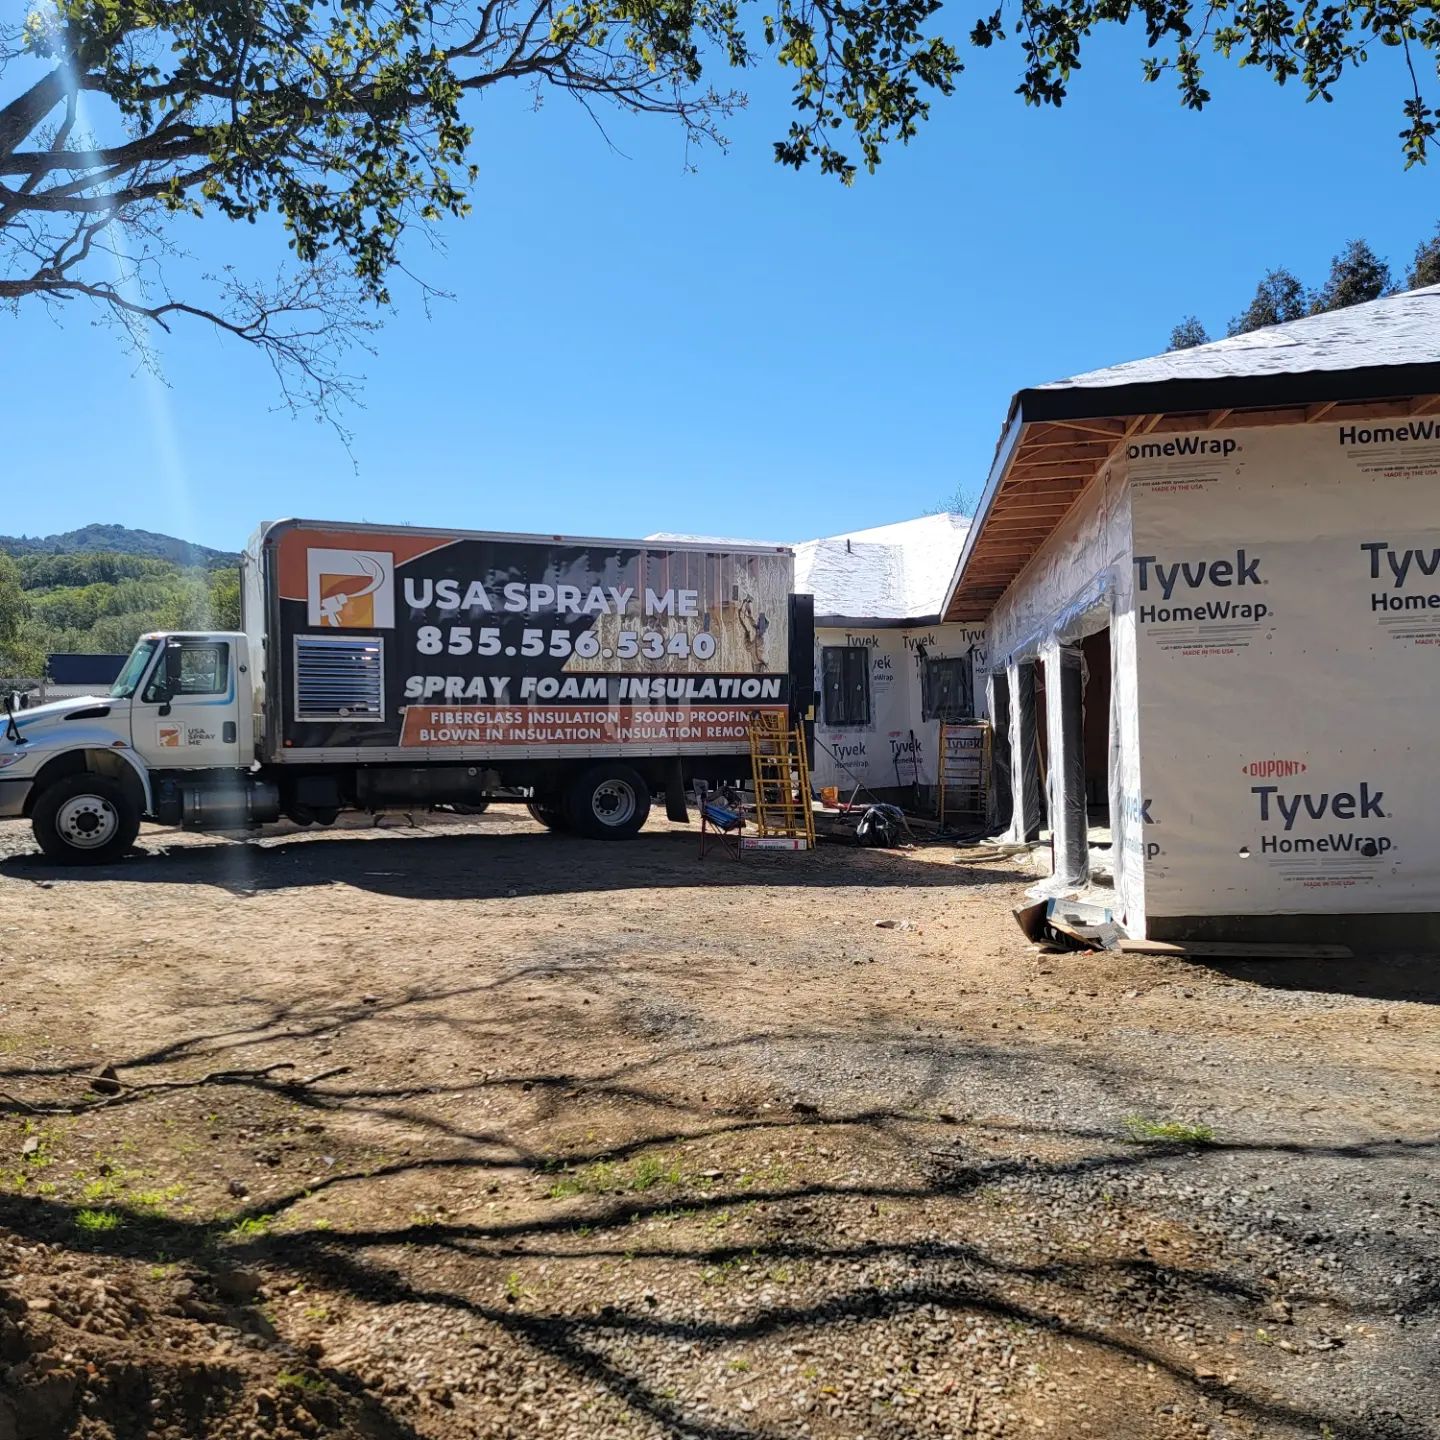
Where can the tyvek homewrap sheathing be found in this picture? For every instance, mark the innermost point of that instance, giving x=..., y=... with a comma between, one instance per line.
x=898, y=748
x=1287, y=615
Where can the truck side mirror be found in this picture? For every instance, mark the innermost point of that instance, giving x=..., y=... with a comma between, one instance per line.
x=164, y=682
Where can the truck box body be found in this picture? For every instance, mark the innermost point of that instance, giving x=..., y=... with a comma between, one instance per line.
x=396, y=645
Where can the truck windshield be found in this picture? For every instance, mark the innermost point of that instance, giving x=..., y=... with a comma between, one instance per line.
x=130, y=676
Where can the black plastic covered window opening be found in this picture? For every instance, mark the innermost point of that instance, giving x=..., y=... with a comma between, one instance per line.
x=845, y=680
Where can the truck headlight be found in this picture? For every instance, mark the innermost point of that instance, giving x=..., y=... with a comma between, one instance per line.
x=11, y=759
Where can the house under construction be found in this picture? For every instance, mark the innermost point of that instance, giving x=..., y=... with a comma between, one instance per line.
x=1210, y=583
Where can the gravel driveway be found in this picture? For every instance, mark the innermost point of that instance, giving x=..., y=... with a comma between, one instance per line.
x=465, y=1129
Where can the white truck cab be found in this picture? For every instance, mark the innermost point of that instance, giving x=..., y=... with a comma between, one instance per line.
x=177, y=725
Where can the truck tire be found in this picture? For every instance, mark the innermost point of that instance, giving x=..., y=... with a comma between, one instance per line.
x=550, y=813
x=85, y=819
x=607, y=802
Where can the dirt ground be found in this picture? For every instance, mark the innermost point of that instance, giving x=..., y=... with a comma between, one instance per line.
x=469, y=1130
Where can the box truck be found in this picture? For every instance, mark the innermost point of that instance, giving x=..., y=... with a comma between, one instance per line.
x=397, y=668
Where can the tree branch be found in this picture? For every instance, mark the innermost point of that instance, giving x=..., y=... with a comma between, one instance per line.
x=20, y=117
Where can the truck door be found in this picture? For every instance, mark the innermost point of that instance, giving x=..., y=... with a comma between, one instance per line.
x=188, y=717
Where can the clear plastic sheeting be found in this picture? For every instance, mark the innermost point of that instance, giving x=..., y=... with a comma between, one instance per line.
x=1077, y=584
x=1067, y=575
x=1088, y=613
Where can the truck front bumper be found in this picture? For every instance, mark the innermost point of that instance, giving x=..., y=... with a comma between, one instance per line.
x=13, y=795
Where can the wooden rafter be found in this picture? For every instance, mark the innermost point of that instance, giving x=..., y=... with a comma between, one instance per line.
x=1072, y=444
x=1053, y=470
x=1110, y=429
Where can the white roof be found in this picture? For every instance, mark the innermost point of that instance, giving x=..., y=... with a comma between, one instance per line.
x=1396, y=330
x=674, y=537
x=890, y=572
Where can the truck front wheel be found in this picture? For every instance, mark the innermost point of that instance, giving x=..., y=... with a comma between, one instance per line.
x=85, y=819
x=608, y=802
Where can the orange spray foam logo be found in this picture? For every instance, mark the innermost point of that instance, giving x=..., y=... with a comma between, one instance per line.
x=351, y=589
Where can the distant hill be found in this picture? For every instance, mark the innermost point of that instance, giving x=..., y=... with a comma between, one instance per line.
x=118, y=540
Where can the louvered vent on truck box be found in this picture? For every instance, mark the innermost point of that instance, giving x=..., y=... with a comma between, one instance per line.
x=339, y=679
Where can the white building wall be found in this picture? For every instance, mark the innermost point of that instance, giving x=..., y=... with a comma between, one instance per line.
x=897, y=730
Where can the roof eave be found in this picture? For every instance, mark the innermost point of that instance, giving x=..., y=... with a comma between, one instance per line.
x=1230, y=392
x=1003, y=453
x=1215, y=396
x=876, y=622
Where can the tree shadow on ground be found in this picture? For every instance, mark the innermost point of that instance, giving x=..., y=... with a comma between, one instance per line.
x=417, y=865
x=959, y=1273
x=227, y=1058
x=954, y=1277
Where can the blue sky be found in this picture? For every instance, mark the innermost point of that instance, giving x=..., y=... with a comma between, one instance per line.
x=741, y=350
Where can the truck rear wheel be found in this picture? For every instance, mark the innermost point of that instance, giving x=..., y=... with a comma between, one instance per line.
x=550, y=813
x=85, y=819
x=608, y=802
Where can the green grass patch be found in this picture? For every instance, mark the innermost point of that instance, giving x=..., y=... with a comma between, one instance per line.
x=156, y=1202
x=118, y=1184
x=253, y=1226
x=608, y=1177
x=97, y=1222
x=298, y=1380
x=771, y=1176
x=722, y=1271
x=1167, y=1132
